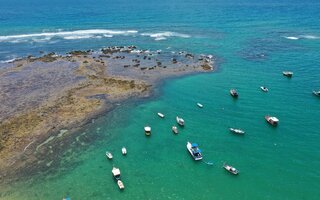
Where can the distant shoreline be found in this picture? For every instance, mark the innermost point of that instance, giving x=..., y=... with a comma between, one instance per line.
x=50, y=97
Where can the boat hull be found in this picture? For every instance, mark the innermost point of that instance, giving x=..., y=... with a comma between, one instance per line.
x=175, y=130
x=237, y=131
x=316, y=93
x=189, y=148
x=264, y=89
x=199, y=105
x=180, y=121
x=229, y=169
x=287, y=74
x=271, y=122
x=234, y=93
x=124, y=151
x=109, y=155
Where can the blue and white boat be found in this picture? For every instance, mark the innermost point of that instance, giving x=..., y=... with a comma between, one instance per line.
x=194, y=151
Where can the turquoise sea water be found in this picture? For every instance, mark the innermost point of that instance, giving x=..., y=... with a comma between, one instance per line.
x=253, y=42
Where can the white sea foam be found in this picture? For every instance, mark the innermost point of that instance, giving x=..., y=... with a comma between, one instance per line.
x=85, y=34
x=165, y=35
x=292, y=38
x=107, y=35
x=68, y=35
x=77, y=37
x=311, y=37
x=160, y=38
x=8, y=61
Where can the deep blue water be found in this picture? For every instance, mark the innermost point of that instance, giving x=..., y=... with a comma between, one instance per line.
x=253, y=41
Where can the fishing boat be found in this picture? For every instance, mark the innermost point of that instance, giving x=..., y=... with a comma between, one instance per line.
x=109, y=155
x=317, y=93
x=287, y=74
x=147, y=130
x=264, y=89
x=161, y=115
x=231, y=169
x=124, y=151
x=180, y=121
x=175, y=129
x=234, y=93
x=272, y=120
x=237, y=131
x=116, y=175
x=194, y=151
x=66, y=198
x=199, y=105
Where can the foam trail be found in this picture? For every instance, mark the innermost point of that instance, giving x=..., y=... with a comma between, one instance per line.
x=311, y=37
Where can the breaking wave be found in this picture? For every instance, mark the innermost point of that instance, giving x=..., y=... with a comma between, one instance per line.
x=292, y=38
x=67, y=35
x=165, y=35
x=86, y=34
x=310, y=37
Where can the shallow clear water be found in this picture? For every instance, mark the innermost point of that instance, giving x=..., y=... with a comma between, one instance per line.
x=254, y=42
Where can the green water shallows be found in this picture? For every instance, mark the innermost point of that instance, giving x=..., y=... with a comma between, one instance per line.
x=250, y=42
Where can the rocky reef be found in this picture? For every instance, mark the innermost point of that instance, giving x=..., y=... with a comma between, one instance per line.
x=54, y=95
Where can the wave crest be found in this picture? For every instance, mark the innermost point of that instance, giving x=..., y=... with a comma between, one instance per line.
x=165, y=35
x=68, y=35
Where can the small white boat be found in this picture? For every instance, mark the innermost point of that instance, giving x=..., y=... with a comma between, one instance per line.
x=109, y=155
x=272, y=120
x=180, y=121
x=124, y=151
x=194, y=151
x=175, y=129
x=147, y=130
x=231, y=169
x=287, y=74
x=161, y=115
x=264, y=89
x=116, y=175
x=237, y=131
x=317, y=93
x=200, y=105
x=234, y=93
x=120, y=184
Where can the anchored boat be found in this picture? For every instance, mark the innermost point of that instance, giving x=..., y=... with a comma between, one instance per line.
x=272, y=120
x=199, y=105
x=231, y=169
x=175, y=129
x=161, y=115
x=234, y=93
x=116, y=175
x=109, y=155
x=237, y=131
x=180, y=121
x=264, y=89
x=124, y=151
x=317, y=93
x=194, y=151
x=147, y=130
x=287, y=74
